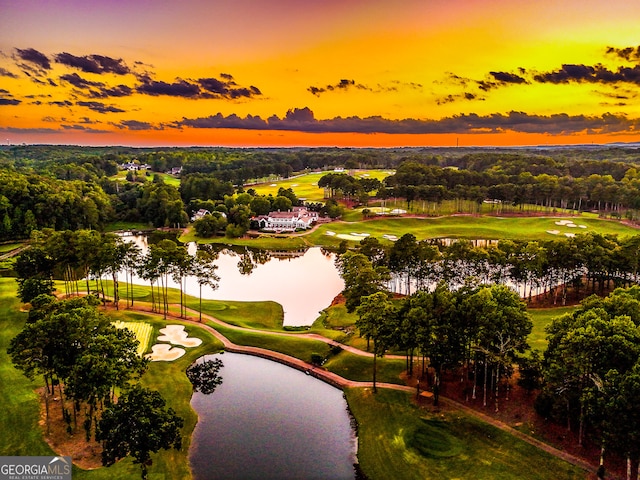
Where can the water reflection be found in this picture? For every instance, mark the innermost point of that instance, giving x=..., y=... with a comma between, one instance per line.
x=204, y=375
x=269, y=421
x=304, y=282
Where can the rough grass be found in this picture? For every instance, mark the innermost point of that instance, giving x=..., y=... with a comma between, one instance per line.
x=397, y=439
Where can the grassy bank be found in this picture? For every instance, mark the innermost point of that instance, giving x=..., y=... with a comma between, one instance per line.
x=397, y=439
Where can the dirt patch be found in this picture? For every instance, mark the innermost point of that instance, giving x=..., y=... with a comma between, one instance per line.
x=86, y=455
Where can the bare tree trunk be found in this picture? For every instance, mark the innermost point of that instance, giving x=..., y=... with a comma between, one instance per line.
x=484, y=388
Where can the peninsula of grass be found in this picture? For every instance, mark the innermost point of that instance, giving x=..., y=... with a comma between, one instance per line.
x=264, y=241
x=398, y=439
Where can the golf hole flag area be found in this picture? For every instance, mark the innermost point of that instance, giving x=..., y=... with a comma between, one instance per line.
x=175, y=335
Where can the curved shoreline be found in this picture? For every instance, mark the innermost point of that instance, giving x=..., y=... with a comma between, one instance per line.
x=342, y=383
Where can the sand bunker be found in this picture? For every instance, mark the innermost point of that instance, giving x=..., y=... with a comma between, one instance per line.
x=569, y=235
x=563, y=222
x=176, y=335
x=398, y=211
x=330, y=233
x=393, y=238
x=345, y=236
x=161, y=352
x=360, y=234
x=582, y=226
x=553, y=232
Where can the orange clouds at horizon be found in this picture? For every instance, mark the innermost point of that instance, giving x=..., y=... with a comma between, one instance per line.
x=373, y=74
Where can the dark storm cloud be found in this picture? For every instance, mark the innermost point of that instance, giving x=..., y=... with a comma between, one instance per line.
x=100, y=107
x=79, y=82
x=303, y=120
x=344, y=84
x=506, y=77
x=590, y=74
x=93, y=63
x=226, y=87
x=6, y=73
x=179, y=88
x=61, y=103
x=10, y=101
x=33, y=56
x=630, y=54
x=30, y=131
x=135, y=125
x=105, y=92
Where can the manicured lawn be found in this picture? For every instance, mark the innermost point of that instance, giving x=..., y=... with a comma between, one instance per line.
x=142, y=331
x=302, y=348
x=471, y=227
x=541, y=317
x=19, y=410
x=306, y=186
x=396, y=439
x=360, y=369
x=266, y=241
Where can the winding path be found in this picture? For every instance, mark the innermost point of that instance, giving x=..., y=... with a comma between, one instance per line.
x=341, y=382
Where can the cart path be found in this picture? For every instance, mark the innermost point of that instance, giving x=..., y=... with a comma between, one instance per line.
x=341, y=382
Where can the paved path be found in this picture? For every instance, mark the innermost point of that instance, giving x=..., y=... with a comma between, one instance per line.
x=341, y=382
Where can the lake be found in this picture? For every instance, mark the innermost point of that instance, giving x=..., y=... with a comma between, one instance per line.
x=304, y=283
x=269, y=421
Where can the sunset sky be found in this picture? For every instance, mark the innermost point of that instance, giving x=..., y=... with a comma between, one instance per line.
x=319, y=73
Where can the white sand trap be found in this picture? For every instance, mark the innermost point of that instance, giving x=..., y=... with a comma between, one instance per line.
x=582, y=226
x=563, y=222
x=274, y=185
x=176, y=335
x=330, y=233
x=344, y=236
x=553, y=232
x=360, y=234
x=569, y=235
x=161, y=352
x=571, y=225
x=398, y=211
x=393, y=238
x=294, y=185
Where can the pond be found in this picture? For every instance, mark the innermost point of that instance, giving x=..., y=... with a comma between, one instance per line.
x=269, y=421
x=304, y=283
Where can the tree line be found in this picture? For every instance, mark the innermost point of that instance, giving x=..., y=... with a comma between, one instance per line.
x=95, y=368
x=475, y=326
x=587, y=263
x=84, y=258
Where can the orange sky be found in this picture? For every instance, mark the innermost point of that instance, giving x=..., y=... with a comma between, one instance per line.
x=288, y=73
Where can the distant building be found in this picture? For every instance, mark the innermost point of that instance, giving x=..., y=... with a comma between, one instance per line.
x=134, y=166
x=200, y=214
x=175, y=171
x=299, y=218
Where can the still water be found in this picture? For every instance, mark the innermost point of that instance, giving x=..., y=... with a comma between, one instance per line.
x=269, y=421
x=304, y=284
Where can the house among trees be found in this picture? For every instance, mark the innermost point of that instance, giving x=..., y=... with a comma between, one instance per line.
x=132, y=166
x=298, y=218
x=200, y=214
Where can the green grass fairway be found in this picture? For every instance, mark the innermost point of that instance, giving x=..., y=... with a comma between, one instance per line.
x=306, y=186
x=541, y=317
x=396, y=439
x=142, y=331
x=464, y=226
